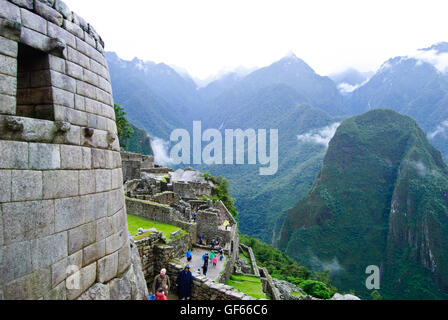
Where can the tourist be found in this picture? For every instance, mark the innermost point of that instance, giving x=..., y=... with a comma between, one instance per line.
x=212, y=255
x=205, y=258
x=215, y=261
x=221, y=255
x=184, y=282
x=162, y=280
x=205, y=268
x=200, y=239
x=188, y=255
x=151, y=296
x=161, y=295
x=194, y=216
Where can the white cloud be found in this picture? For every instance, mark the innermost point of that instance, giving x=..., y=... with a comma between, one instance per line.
x=345, y=88
x=332, y=265
x=441, y=128
x=320, y=136
x=422, y=170
x=160, y=148
x=420, y=167
x=438, y=60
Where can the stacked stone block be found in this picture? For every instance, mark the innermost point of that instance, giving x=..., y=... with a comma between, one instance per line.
x=62, y=211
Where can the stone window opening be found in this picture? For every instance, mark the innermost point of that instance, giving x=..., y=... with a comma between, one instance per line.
x=34, y=92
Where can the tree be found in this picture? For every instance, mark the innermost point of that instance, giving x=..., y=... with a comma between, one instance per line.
x=124, y=128
x=376, y=295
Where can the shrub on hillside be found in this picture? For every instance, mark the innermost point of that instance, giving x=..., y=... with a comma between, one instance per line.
x=316, y=289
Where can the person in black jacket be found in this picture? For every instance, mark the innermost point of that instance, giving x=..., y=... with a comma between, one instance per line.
x=184, y=282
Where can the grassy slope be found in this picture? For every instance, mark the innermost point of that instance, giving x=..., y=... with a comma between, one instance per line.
x=136, y=222
x=250, y=285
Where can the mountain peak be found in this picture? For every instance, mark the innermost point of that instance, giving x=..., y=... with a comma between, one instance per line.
x=291, y=58
x=293, y=63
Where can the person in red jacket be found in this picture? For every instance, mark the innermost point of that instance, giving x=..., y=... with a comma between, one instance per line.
x=161, y=295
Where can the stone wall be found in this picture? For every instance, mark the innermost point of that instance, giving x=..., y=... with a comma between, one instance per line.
x=155, y=254
x=224, y=213
x=62, y=210
x=207, y=225
x=132, y=163
x=166, y=197
x=253, y=261
x=233, y=251
x=131, y=170
x=150, y=210
x=205, y=289
x=268, y=284
x=146, y=252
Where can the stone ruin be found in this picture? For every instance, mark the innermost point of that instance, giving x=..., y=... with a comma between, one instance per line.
x=63, y=227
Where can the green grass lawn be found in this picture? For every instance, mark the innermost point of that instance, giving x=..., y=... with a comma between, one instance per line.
x=136, y=222
x=250, y=285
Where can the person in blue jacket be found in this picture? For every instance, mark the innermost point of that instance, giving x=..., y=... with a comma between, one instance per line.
x=184, y=282
x=188, y=255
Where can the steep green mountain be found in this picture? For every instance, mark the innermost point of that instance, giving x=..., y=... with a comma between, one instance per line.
x=380, y=199
x=140, y=142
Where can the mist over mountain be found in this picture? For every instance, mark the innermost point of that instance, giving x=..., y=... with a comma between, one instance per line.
x=350, y=80
x=351, y=76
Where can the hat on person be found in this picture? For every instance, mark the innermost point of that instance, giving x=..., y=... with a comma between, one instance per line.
x=187, y=266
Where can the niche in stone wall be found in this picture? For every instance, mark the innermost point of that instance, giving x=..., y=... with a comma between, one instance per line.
x=34, y=93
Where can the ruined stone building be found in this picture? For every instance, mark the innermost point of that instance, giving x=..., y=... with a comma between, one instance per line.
x=63, y=228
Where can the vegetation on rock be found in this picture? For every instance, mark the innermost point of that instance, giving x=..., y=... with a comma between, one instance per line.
x=131, y=138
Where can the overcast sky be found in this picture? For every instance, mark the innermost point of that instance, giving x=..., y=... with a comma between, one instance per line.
x=208, y=36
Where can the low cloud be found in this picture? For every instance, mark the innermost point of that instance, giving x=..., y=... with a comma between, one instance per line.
x=160, y=148
x=438, y=60
x=441, y=128
x=345, y=88
x=422, y=170
x=420, y=167
x=332, y=265
x=320, y=136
